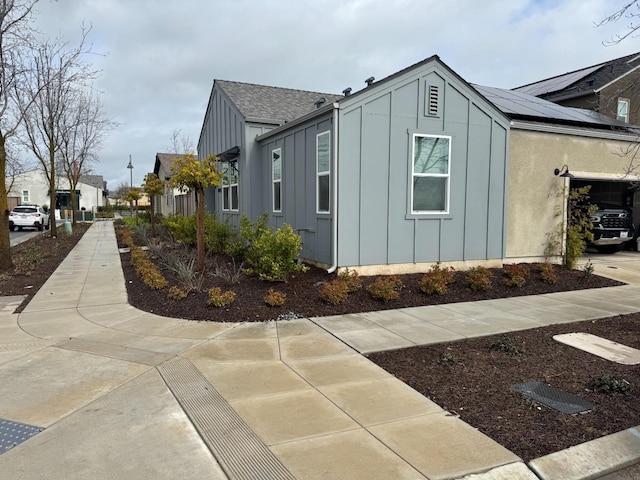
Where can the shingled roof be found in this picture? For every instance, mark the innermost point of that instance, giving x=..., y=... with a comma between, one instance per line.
x=274, y=105
x=166, y=160
x=584, y=81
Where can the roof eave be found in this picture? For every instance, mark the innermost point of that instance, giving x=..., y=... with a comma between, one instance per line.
x=298, y=121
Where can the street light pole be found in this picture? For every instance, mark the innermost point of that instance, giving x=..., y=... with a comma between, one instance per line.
x=130, y=167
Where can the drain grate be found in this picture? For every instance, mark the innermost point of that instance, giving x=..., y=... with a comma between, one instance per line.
x=552, y=397
x=13, y=433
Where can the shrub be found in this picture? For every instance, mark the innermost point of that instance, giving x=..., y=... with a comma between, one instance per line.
x=479, y=279
x=182, y=228
x=230, y=273
x=239, y=242
x=217, y=234
x=587, y=269
x=548, y=272
x=146, y=269
x=386, y=288
x=218, y=298
x=516, y=275
x=274, y=298
x=506, y=346
x=351, y=279
x=176, y=293
x=609, y=384
x=334, y=292
x=273, y=255
x=436, y=280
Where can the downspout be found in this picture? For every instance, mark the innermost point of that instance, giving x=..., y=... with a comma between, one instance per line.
x=334, y=233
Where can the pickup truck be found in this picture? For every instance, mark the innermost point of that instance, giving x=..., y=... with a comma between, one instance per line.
x=612, y=227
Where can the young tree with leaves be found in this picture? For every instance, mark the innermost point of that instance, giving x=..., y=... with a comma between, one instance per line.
x=153, y=187
x=195, y=176
x=132, y=196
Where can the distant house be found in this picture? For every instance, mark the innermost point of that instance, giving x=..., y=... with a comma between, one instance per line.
x=172, y=200
x=611, y=88
x=417, y=168
x=32, y=187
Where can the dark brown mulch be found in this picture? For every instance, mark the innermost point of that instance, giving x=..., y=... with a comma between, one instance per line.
x=35, y=260
x=472, y=380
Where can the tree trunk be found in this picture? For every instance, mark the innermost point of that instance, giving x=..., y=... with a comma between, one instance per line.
x=200, y=228
x=152, y=200
x=5, y=241
x=73, y=204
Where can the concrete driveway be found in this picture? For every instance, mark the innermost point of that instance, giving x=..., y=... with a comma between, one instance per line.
x=623, y=266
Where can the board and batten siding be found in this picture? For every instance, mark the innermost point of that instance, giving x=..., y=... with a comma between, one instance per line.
x=376, y=225
x=298, y=184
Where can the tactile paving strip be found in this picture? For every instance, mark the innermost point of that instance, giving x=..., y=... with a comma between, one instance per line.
x=552, y=397
x=13, y=433
x=239, y=451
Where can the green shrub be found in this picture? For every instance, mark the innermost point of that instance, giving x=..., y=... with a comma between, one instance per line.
x=548, y=272
x=273, y=298
x=516, y=275
x=479, y=279
x=182, y=228
x=176, y=293
x=146, y=269
x=587, y=269
x=273, y=256
x=506, y=346
x=609, y=384
x=351, y=279
x=386, y=288
x=217, y=234
x=436, y=280
x=334, y=292
x=218, y=298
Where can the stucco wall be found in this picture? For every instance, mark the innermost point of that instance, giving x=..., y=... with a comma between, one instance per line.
x=535, y=194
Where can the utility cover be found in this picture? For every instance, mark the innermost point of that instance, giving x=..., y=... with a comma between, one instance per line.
x=615, y=352
x=552, y=397
x=13, y=433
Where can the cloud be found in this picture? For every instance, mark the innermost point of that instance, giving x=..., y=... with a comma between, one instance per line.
x=160, y=57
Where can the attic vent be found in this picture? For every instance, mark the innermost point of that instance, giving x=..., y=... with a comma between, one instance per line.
x=346, y=92
x=369, y=81
x=432, y=100
x=318, y=103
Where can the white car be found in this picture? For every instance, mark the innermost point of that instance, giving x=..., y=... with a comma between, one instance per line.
x=32, y=216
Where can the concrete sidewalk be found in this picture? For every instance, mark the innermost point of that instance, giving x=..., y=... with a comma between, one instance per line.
x=121, y=393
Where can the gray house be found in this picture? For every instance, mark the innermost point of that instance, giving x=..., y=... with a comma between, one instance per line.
x=408, y=171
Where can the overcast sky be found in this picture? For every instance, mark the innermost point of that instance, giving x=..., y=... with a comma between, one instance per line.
x=161, y=56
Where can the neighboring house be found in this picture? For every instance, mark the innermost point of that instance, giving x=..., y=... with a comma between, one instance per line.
x=172, y=200
x=32, y=187
x=611, y=88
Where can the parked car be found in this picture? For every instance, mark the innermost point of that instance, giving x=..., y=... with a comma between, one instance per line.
x=28, y=216
x=612, y=227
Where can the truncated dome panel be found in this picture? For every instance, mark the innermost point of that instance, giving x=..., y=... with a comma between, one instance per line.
x=552, y=397
x=13, y=433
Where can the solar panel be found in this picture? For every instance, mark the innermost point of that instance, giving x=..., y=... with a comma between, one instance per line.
x=556, y=83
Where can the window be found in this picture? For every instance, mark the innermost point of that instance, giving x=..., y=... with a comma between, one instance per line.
x=25, y=196
x=229, y=172
x=276, y=179
x=623, y=109
x=323, y=176
x=431, y=167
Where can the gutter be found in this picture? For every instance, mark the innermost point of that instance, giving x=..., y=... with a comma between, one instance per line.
x=579, y=132
x=334, y=233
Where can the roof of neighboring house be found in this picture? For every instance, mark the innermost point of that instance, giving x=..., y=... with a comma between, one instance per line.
x=166, y=160
x=96, y=181
x=584, y=81
x=272, y=104
x=521, y=105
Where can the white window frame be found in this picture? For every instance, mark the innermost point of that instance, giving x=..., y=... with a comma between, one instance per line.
x=446, y=176
x=624, y=118
x=227, y=188
x=26, y=196
x=323, y=173
x=276, y=181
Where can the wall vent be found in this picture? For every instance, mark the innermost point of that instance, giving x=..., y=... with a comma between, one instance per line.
x=432, y=105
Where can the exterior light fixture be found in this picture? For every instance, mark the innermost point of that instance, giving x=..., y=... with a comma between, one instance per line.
x=563, y=172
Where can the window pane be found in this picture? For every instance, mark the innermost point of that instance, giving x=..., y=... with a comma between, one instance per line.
x=276, y=168
x=323, y=152
x=234, y=197
x=323, y=193
x=429, y=194
x=225, y=198
x=224, y=169
x=277, y=197
x=622, y=108
x=431, y=155
x=233, y=173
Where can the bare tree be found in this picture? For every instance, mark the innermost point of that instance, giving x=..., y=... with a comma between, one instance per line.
x=46, y=98
x=83, y=129
x=630, y=12
x=15, y=37
x=180, y=143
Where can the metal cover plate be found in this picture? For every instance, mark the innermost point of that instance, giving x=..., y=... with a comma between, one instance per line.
x=552, y=397
x=13, y=433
